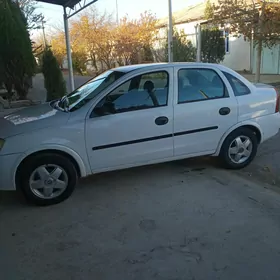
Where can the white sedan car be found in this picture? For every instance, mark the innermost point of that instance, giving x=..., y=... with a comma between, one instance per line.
x=132, y=116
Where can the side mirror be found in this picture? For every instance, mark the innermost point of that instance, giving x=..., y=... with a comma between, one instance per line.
x=65, y=103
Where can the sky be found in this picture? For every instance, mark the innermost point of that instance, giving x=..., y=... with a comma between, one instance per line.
x=132, y=8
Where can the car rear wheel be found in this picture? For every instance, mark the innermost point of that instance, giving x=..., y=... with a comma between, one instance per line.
x=47, y=179
x=239, y=148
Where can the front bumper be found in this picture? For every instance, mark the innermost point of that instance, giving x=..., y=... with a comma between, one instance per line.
x=8, y=166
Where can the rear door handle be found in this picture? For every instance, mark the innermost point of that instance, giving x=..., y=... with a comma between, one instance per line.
x=161, y=120
x=224, y=111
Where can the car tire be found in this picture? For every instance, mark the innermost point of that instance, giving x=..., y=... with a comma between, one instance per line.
x=239, y=148
x=47, y=179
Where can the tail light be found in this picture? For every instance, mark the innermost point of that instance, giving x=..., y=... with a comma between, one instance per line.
x=277, y=107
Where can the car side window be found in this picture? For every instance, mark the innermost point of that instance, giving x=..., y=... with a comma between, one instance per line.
x=238, y=87
x=144, y=91
x=199, y=84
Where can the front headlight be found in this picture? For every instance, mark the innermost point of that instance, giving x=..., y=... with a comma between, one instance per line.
x=2, y=142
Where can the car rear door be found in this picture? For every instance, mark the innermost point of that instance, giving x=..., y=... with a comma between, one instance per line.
x=138, y=129
x=204, y=109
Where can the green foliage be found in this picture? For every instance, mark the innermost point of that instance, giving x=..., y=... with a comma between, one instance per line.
x=257, y=21
x=183, y=49
x=209, y=10
x=17, y=63
x=147, y=54
x=28, y=8
x=79, y=60
x=54, y=81
x=212, y=46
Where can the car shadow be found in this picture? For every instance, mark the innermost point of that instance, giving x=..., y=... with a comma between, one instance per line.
x=192, y=165
x=15, y=199
x=12, y=198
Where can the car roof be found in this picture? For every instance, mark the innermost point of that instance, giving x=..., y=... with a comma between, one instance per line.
x=148, y=66
x=133, y=67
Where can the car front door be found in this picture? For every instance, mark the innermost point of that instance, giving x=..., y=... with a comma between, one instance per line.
x=133, y=124
x=204, y=109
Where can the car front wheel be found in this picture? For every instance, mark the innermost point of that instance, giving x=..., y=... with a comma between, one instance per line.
x=47, y=179
x=239, y=148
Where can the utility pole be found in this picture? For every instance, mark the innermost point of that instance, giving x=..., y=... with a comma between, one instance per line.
x=198, y=43
x=170, y=32
x=44, y=35
x=117, y=12
x=68, y=48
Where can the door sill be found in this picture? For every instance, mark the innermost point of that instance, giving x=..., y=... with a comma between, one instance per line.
x=173, y=158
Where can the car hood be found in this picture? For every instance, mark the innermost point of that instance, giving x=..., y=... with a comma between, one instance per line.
x=30, y=119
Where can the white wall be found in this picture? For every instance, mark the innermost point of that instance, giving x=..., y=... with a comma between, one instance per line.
x=238, y=57
x=239, y=54
x=189, y=29
x=270, y=60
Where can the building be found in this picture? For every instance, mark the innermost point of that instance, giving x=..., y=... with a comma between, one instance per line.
x=240, y=54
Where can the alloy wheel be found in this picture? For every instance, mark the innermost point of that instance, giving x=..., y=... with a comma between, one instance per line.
x=48, y=181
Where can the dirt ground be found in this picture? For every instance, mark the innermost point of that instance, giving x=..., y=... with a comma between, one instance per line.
x=182, y=220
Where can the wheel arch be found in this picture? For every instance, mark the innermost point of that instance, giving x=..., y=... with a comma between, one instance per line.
x=68, y=153
x=251, y=125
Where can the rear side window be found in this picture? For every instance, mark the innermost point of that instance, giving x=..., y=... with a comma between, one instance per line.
x=199, y=84
x=238, y=87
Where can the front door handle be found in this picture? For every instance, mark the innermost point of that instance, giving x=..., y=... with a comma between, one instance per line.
x=224, y=111
x=161, y=120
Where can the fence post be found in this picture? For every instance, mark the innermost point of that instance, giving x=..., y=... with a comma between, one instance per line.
x=170, y=33
x=198, y=42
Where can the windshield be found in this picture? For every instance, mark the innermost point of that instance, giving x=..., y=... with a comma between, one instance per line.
x=92, y=88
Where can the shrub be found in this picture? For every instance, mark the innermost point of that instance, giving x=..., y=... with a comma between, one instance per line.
x=212, y=45
x=54, y=81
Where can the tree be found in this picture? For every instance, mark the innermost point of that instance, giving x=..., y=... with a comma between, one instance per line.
x=209, y=10
x=147, y=32
x=134, y=39
x=147, y=54
x=38, y=48
x=17, y=62
x=58, y=47
x=79, y=59
x=92, y=35
x=28, y=7
x=212, y=45
x=127, y=42
x=54, y=81
x=183, y=49
x=78, y=51
x=256, y=20
x=97, y=39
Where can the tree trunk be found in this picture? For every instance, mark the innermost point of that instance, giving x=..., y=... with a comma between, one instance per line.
x=21, y=88
x=9, y=88
x=93, y=61
x=260, y=43
x=258, y=61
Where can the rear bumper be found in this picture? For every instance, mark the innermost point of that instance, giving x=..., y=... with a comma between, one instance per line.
x=270, y=125
x=8, y=166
